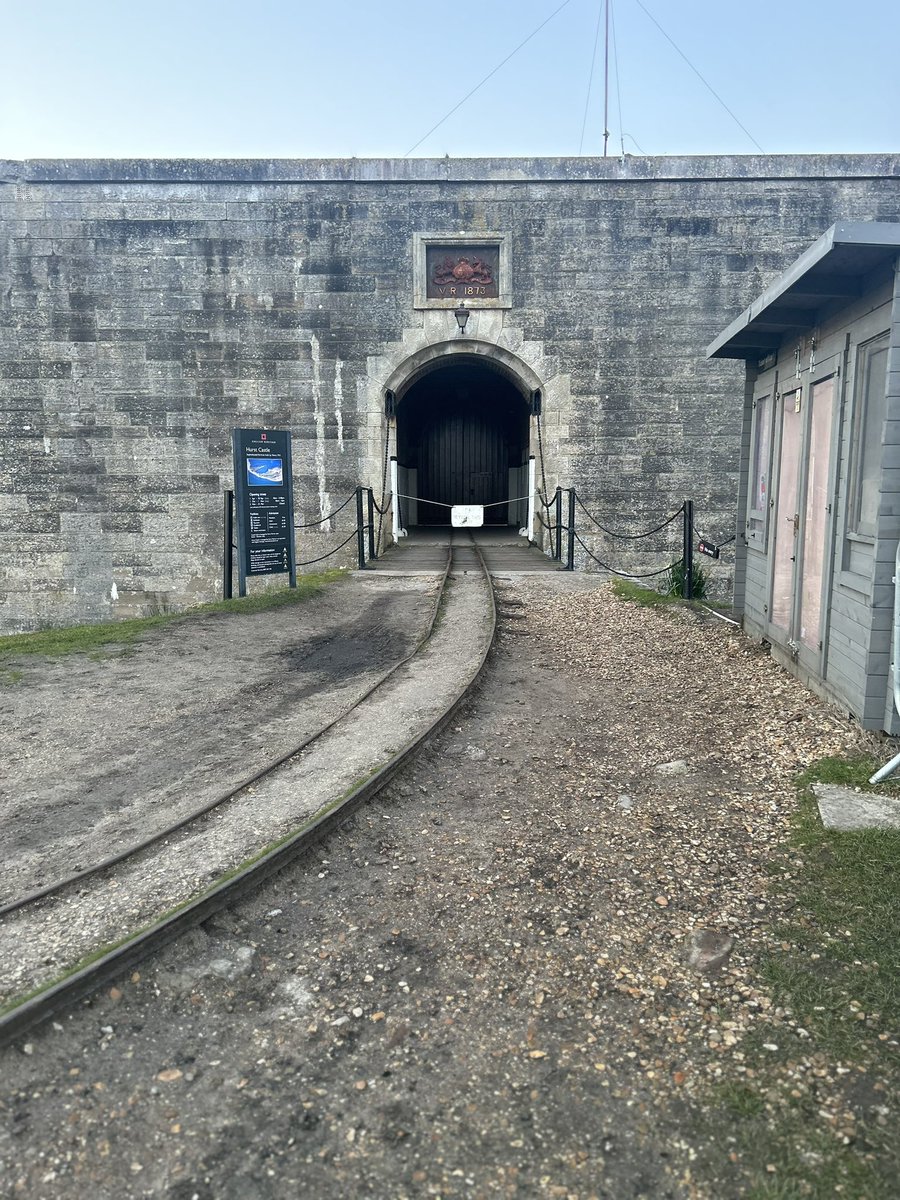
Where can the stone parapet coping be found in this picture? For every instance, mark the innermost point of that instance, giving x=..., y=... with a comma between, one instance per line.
x=473, y=170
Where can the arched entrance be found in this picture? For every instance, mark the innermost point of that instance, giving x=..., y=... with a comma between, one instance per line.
x=463, y=438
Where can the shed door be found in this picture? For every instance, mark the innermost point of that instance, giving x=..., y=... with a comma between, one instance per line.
x=787, y=512
x=801, y=531
x=815, y=518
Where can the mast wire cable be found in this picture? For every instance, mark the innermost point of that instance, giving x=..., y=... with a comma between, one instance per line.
x=489, y=75
x=615, y=46
x=705, y=82
x=587, y=99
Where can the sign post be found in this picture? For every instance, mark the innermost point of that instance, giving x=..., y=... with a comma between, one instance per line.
x=264, y=494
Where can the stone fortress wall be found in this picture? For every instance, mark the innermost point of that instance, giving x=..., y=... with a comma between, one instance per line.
x=146, y=308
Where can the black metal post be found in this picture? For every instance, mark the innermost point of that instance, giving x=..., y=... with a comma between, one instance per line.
x=373, y=549
x=360, y=531
x=570, y=555
x=688, y=561
x=228, y=544
x=557, y=553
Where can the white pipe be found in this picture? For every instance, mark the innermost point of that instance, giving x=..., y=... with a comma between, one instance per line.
x=887, y=769
x=528, y=531
x=721, y=616
x=395, y=501
x=891, y=767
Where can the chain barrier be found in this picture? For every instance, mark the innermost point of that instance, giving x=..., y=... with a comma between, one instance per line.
x=624, y=574
x=309, y=562
x=387, y=499
x=628, y=537
x=727, y=541
x=334, y=512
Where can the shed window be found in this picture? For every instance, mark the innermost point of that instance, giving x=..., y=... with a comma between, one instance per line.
x=760, y=469
x=871, y=380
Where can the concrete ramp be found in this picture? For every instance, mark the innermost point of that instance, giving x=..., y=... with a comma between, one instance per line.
x=425, y=550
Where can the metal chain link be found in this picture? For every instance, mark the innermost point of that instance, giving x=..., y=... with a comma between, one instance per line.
x=628, y=537
x=309, y=562
x=384, y=470
x=546, y=504
x=624, y=574
x=334, y=512
x=727, y=541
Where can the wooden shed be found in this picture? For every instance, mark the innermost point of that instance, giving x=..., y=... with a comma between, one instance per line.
x=819, y=492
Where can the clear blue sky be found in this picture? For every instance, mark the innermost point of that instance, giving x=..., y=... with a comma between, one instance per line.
x=334, y=78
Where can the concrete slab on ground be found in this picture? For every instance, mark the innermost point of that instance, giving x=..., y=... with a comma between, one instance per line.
x=845, y=809
x=424, y=550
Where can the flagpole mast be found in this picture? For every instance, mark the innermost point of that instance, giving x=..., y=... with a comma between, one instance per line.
x=606, y=83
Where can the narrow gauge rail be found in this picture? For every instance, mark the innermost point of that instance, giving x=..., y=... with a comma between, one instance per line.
x=57, y=997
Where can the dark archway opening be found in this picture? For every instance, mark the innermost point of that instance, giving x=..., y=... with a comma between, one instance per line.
x=462, y=438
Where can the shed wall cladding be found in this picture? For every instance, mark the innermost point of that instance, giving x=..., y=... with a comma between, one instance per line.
x=852, y=661
x=147, y=308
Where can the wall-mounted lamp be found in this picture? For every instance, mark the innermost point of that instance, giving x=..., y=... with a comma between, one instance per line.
x=462, y=316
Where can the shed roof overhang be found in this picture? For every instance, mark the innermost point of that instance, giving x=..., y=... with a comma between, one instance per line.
x=832, y=269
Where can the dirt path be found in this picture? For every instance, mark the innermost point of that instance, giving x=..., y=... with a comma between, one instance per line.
x=479, y=989
x=38, y=943
x=98, y=750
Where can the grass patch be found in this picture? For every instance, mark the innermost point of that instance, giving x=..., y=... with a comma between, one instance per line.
x=10, y=676
x=624, y=589
x=740, y=1100
x=836, y=970
x=849, y=895
x=81, y=639
x=676, y=581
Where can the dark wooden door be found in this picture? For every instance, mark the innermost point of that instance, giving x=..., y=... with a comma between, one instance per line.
x=463, y=459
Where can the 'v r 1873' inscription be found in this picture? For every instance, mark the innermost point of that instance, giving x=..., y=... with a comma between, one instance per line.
x=462, y=291
x=462, y=272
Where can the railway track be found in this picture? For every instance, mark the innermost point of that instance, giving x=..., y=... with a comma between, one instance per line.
x=32, y=922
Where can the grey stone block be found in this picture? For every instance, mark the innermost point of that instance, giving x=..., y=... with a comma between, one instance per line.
x=847, y=809
x=297, y=274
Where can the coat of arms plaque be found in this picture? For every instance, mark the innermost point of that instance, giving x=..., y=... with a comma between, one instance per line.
x=458, y=272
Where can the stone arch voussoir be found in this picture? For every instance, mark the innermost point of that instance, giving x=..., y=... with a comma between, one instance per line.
x=439, y=354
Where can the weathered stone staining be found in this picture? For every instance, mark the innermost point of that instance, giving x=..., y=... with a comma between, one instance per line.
x=147, y=308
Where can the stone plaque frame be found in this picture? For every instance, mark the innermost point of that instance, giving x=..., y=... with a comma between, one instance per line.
x=490, y=241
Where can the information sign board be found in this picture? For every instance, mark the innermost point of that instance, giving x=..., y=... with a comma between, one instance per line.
x=264, y=496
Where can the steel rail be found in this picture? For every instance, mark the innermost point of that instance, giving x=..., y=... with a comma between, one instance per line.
x=84, y=981
x=59, y=885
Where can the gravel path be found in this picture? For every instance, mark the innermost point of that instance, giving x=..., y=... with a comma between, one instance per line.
x=479, y=989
